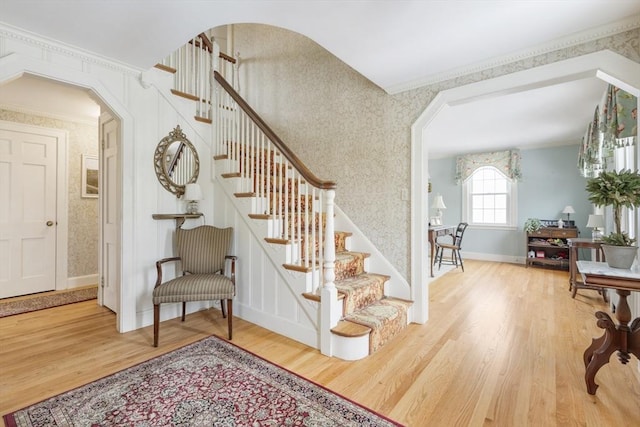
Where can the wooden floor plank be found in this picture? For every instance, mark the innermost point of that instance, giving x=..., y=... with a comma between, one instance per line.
x=503, y=347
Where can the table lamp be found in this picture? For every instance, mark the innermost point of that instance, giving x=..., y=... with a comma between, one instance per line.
x=568, y=210
x=596, y=222
x=439, y=206
x=192, y=193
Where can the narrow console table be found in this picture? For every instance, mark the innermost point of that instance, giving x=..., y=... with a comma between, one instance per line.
x=180, y=218
x=621, y=337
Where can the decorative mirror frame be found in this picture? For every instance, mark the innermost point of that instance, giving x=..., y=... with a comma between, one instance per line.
x=159, y=161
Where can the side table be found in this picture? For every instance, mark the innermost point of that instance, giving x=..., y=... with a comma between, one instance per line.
x=622, y=337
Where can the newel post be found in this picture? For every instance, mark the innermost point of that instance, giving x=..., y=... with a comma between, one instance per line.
x=329, y=308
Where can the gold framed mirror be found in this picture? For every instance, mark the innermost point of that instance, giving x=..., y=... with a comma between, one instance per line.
x=176, y=162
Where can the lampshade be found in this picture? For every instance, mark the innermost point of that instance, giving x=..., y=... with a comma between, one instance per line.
x=595, y=221
x=568, y=210
x=439, y=203
x=192, y=192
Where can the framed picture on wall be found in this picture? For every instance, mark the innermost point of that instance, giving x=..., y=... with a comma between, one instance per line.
x=89, y=176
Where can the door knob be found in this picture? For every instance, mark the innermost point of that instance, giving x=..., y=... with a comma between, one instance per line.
x=49, y=223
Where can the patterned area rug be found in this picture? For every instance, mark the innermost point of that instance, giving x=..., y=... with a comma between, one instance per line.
x=48, y=300
x=208, y=383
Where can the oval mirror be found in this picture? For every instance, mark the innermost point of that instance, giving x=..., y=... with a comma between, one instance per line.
x=176, y=162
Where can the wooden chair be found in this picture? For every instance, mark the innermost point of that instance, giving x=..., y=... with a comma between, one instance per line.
x=203, y=254
x=454, y=247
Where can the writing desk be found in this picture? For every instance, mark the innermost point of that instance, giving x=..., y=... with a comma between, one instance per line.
x=623, y=338
x=436, y=231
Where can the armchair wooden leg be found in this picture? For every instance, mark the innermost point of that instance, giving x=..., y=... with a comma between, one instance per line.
x=224, y=314
x=184, y=309
x=156, y=323
x=230, y=316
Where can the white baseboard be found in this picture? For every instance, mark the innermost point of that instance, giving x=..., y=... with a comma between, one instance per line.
x=80, y=281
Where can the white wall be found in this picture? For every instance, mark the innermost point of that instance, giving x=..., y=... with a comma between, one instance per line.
x=148, y=112
x=146, y=117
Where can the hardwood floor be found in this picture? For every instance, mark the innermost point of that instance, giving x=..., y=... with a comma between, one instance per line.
x=503, y=347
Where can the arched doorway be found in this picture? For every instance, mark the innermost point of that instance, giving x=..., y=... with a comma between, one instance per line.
x=606, y=65
x=13, y=67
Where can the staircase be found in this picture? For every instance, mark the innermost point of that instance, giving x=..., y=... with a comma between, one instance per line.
x=292, y=212
x=367, y=311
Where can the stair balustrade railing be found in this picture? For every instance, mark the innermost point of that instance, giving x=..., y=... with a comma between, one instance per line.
x=192, y=65
x=286, y=191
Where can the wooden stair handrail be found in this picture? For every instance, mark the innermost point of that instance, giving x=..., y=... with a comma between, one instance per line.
x=295, y=161
x=208, y=46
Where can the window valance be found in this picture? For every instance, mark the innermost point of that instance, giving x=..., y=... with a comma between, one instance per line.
x=591, y=158
x=614, y=125
x=619, y=118
x=507, y=162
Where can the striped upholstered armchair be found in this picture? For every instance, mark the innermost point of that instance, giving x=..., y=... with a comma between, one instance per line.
x=203, y=254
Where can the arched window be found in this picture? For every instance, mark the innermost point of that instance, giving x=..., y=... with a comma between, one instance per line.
x=489, y=199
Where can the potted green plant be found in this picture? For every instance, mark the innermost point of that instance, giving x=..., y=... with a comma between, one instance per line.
x=532, y=225
x=618, y=190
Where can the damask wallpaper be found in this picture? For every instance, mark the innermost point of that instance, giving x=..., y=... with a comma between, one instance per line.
x=349, y=130
x=83, y=213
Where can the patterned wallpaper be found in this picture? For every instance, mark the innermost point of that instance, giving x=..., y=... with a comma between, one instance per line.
x=348, y=130
x=83, y=213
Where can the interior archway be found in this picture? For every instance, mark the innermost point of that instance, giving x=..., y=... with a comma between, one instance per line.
x=605, y=65
x=13, y=66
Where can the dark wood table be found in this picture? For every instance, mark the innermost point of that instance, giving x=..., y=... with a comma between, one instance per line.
x=575, y=282
x=621, y=337
x=436, y=231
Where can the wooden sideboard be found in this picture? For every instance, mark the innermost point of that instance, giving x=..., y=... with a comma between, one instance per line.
x=549, y=247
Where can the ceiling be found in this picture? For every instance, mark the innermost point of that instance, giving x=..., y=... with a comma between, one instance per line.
x=396, y=44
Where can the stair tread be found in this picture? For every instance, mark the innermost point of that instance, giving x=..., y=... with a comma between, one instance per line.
x=349, y=329
x=348, y=280
x=380, y=309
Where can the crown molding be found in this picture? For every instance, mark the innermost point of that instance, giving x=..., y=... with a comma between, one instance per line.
x=60, y=48
x=49, y=115
x=628, y=24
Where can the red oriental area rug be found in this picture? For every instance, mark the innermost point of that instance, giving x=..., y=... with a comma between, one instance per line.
x=208, y=383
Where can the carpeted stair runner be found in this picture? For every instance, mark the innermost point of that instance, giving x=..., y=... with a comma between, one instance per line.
x=364, y=301
x=386, y=318
x=366, y=308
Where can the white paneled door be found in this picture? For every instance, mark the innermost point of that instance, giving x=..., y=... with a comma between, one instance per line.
x=28, y=220
x=109, y=222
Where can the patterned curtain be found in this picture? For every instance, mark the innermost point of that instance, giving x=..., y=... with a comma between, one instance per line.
x=619, y=118
x=508, y=162
x=591, y=156
x=614, y=125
